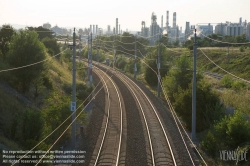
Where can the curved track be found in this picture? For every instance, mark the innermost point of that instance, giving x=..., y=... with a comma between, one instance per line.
x=159, y=148
x=108, y=147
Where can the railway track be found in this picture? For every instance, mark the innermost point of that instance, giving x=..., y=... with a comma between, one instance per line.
x=110, y=147
x=159, y=150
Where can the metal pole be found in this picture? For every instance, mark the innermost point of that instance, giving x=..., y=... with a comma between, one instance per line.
x=88, y=55
x=135, y=68
x=90, y=62
x=114, y=54
x=98, y=47
x=194, y=94
x=73, y=103
x=159, y=66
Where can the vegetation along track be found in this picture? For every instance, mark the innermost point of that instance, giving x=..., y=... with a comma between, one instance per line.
x=110, y=147
x=158, y=146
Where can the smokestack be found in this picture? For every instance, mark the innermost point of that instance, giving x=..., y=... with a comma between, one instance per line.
x=167, y=23
x=116, y=29
x=174, y=20
x=90, y=28
x=161, y=21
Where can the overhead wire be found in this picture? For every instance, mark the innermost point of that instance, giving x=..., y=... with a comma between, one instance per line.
x=63, y=122
x=224, y=69
x=173, y=111
x=93, y=97
x=218, y=41
x=32, y=64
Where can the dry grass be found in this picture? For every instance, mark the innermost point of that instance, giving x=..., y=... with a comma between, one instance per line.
x=239, y=100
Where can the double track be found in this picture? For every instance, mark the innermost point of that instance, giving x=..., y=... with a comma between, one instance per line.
x=158, y=145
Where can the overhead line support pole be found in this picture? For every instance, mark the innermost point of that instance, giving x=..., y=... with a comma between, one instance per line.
x=114, y=53
x=158, y=67
x=194, y=93
x=90, y=62
x=135, y=68
x=73, y=103
x=88, y=54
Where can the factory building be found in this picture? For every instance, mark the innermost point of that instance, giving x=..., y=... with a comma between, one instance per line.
x=231, y=29
x=144, y=29
x=154, y=29
x=206, y=29
x=248, y=31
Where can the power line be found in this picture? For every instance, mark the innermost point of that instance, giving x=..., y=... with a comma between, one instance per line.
x=224, y=42
x=32, y=63
x=224, y=69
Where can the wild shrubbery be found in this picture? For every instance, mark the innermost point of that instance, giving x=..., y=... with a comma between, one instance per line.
x=229, y=133
x=179, y=88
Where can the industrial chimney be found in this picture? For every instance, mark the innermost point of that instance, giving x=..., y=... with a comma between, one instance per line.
x=174, y=20
x=116, y=29
x=161, y=21
x=167, y=23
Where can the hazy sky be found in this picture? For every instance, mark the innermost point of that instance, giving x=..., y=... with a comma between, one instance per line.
x=82, y=13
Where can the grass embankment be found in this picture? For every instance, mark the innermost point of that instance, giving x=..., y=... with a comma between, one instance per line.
x=52, y=105
x=236, y=62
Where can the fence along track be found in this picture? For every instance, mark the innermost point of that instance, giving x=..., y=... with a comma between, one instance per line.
x=110, y=145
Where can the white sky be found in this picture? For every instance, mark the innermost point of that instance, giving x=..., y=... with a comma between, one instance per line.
x=82, y=13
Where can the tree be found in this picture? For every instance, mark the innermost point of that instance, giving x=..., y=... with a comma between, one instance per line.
x=5, y=37
x=51, y=45
x=151, y=75
x=42, y=32
x=25, y=49
x=208, y=107
x=180, y=76
x=235, y=131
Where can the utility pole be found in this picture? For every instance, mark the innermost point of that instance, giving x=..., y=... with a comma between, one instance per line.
x=73, y=103
x=227, y=52
x=98, y=47
x=80, y=39
x=88, y=54
x=114, y=54
x=90, y=62
x=135, y=68
x=159, y=66
x=194, y=94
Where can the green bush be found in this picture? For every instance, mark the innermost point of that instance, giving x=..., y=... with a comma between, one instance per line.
x=129, y=67
x=238, y=85
x=242, y=49
x=149, y=74
x=178, y=78
x=82, y=91
x=226, y=81
x=208, y=107
x=233, y=129
x=121, y=62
